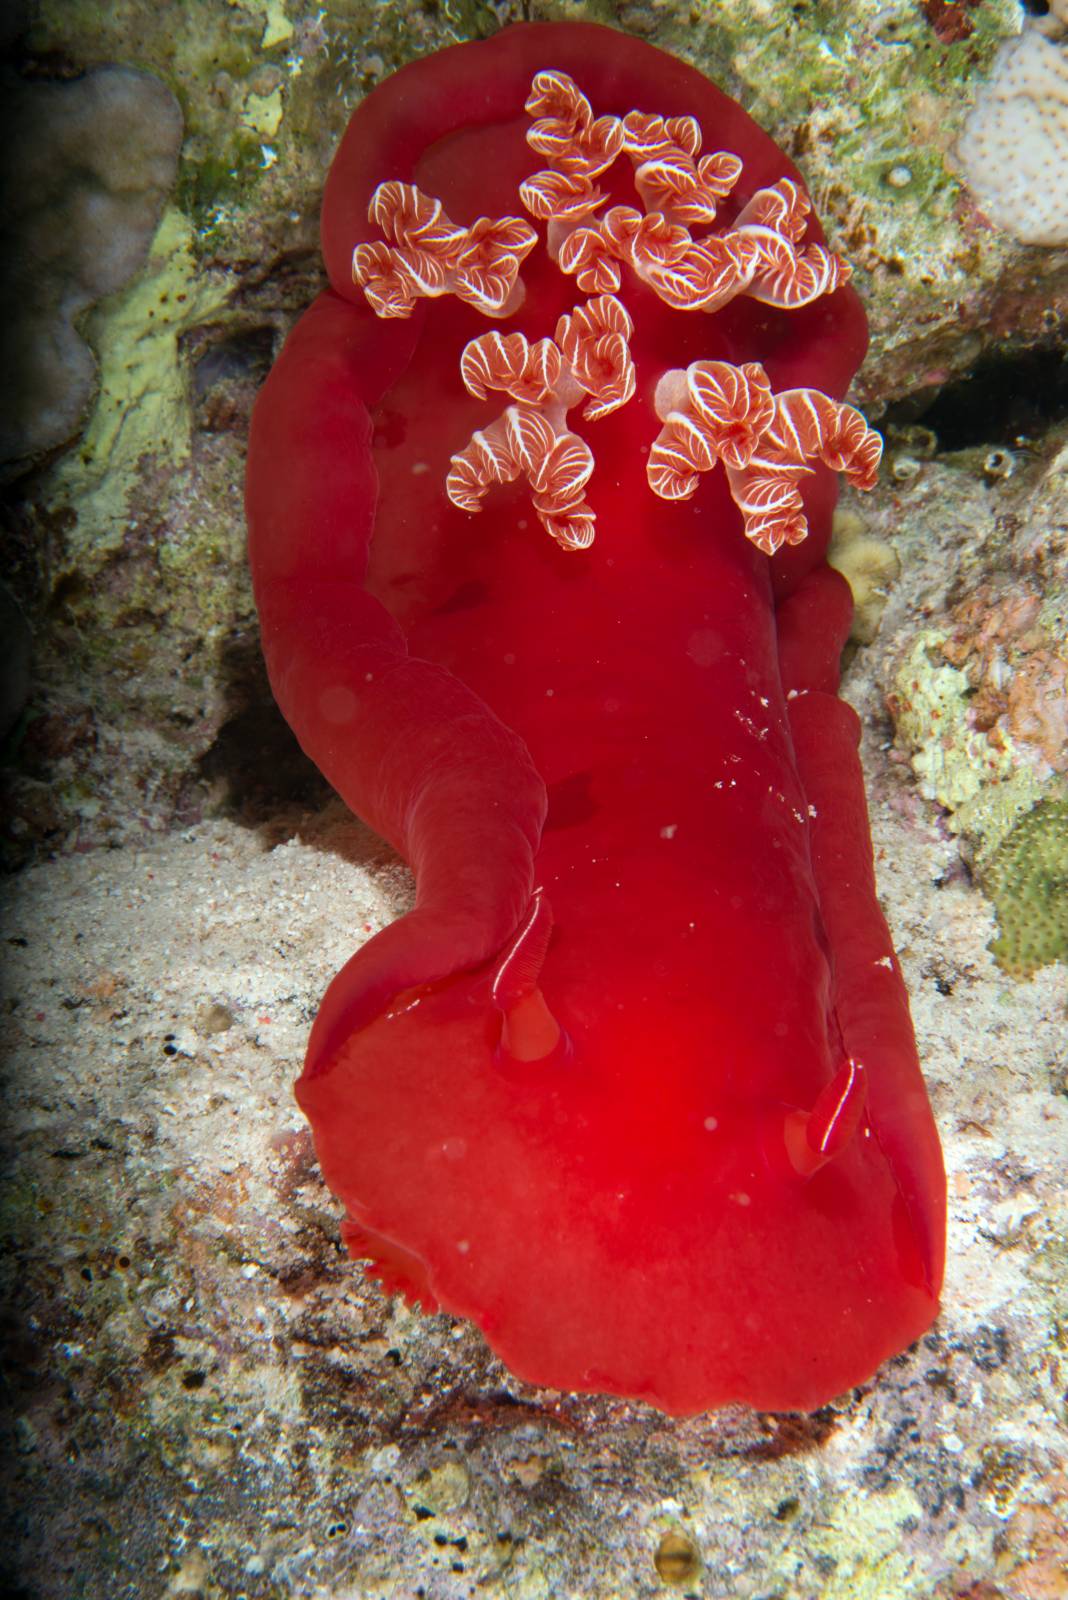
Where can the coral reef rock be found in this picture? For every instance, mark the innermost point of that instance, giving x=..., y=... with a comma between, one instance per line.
x=1013, y=151
x=85, y=166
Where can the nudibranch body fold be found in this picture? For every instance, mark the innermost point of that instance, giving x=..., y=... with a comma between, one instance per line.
x=669, y=1138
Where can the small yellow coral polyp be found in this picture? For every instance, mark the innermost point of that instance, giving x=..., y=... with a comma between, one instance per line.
x=713, y=413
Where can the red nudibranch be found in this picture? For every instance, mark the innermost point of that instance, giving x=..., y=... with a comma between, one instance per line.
x=634, y=1086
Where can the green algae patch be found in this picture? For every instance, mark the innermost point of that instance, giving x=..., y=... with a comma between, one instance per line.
x=869, y=99
x=798, y=1540
x=143, y=408
x=866, y=67
x=1026, y=877
x=208, y=187
x=1012, y=814
x=984, y=786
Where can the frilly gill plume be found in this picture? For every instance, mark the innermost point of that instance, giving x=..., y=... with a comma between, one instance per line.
x=712, y=413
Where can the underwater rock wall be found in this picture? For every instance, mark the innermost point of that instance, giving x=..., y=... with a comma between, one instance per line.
x=206, y=1399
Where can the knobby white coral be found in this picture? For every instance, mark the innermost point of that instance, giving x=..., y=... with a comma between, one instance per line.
x=1013, y=151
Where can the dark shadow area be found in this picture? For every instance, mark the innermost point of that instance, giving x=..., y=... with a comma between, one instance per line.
x=255, y=764
x=237, y=356
x=263, y=767
x=1006, y=399
x=256, y=774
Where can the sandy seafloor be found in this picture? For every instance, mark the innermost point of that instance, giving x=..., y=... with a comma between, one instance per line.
x=209, y=1400
x=205, y=1397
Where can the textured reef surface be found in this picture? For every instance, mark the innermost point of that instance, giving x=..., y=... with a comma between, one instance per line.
x=205, y=1398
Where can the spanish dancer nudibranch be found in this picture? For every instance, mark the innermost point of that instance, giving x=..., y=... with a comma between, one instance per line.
x=539, y=496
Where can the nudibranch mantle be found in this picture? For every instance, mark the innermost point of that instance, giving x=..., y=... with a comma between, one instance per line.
x=634, y=1085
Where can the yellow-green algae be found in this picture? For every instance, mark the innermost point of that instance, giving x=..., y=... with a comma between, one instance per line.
x=871, y=85
x=864, y=1534
x=143, y=407
x=277, y=27
x=263, y=113
x=840, y=1545
x=868, y=100
x=982, y=785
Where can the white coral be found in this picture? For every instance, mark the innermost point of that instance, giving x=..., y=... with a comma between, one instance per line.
x=1013, y=151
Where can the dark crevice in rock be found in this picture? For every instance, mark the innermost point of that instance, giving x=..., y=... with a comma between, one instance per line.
x=1004, y=400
